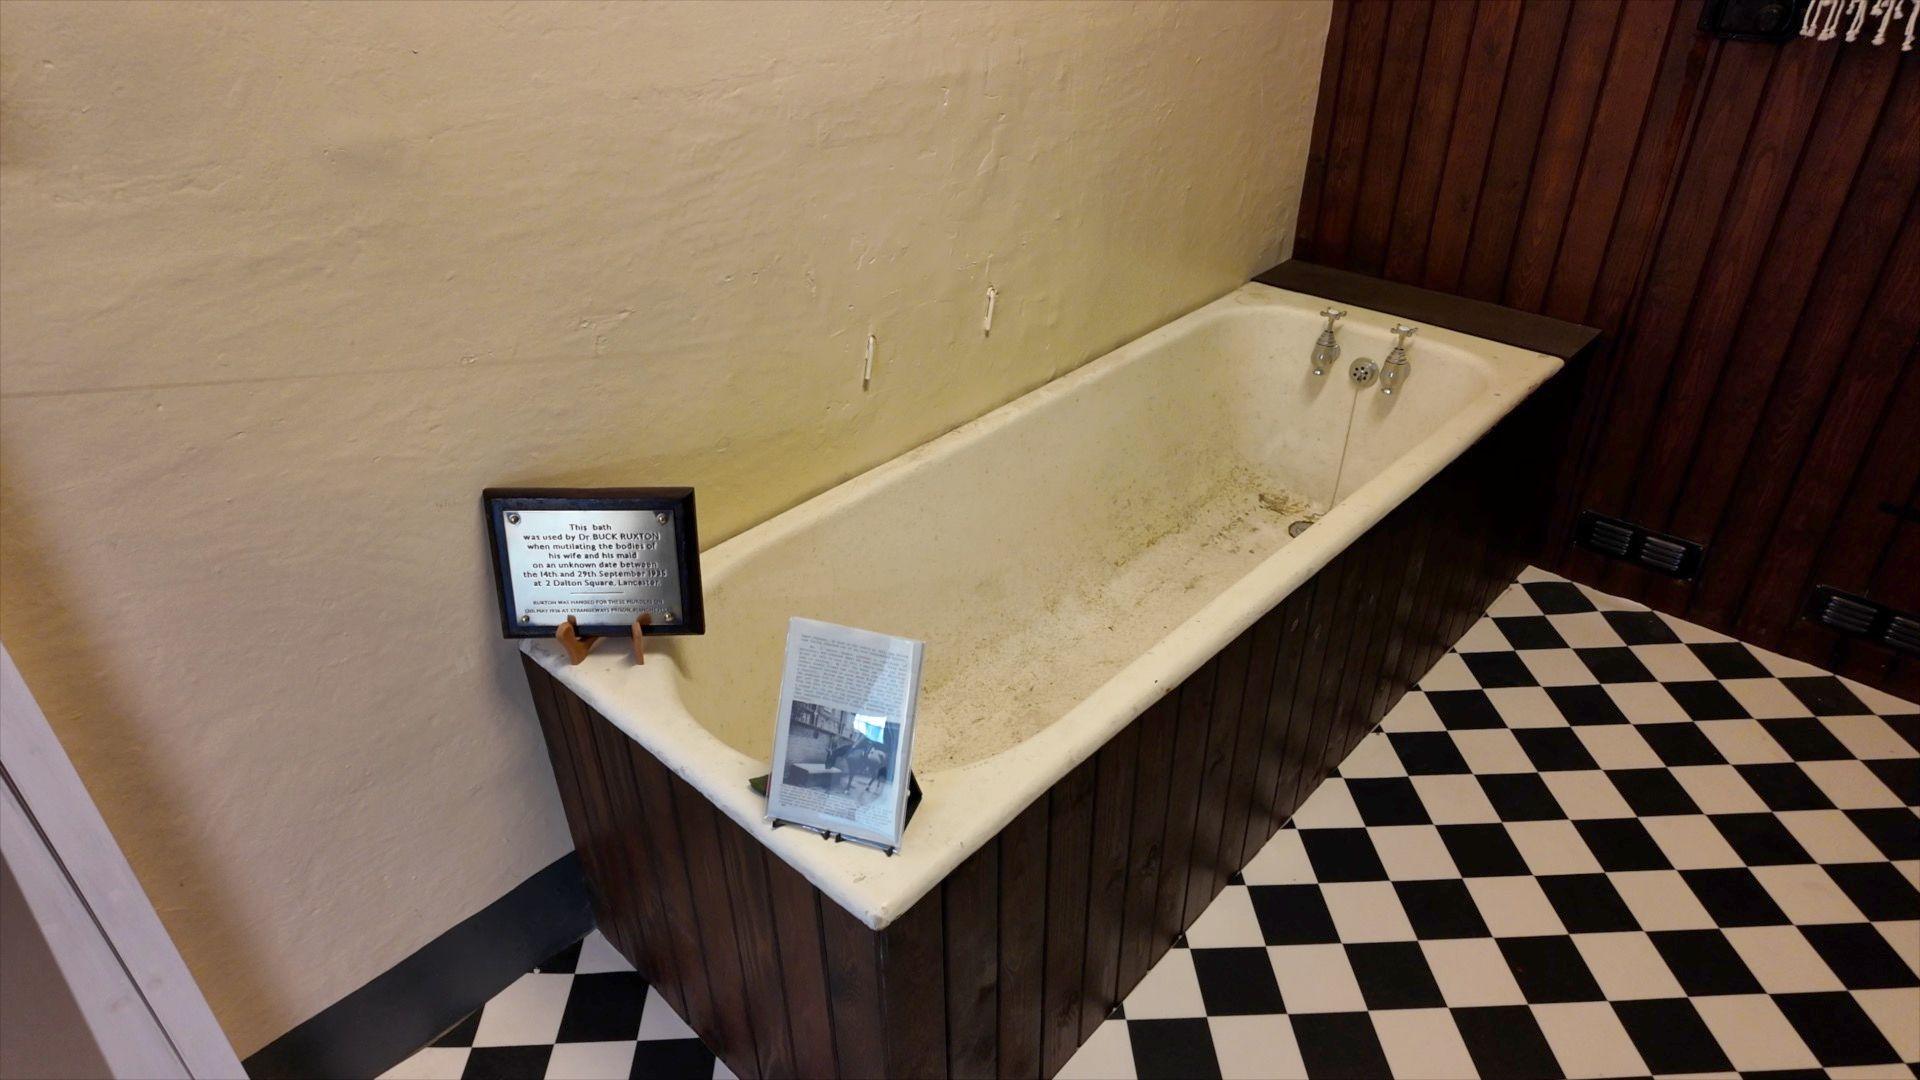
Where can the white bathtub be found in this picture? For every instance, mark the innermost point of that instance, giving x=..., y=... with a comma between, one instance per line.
x=1067, y=558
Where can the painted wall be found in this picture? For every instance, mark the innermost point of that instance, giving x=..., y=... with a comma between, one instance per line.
x=283, y=287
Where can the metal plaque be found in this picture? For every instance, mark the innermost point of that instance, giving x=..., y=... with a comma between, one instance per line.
x=601, y=556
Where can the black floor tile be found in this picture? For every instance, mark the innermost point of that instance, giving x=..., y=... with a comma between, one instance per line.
x=1806, y=739
x=1482, y=850
x=1861, y=957
x=1588, y=903
x=1901, y=775
x=1499, y=669
x=1622, y=844
x=1907, y=726
x=1641, y=627
x=1614, y=665
x=1734, y=897
x=1389, y=800
x=1530, y=632
x=1342, y=855
x=1760, y=839
x=1237, y=982
x=1441, y=908
x=562, y=962
x=1704, y=962
x=514, y=1062
x=1293, y=914
x=1584, y=706
x=1836, y=1029
x=1427, y=753
x=1555, y=749
x=1394, y=975
x=1784, y=786
x=1549, y=969
x=603, y=1007
x=1894, y=830
x=1652, y=792
x=1706, y=701
x=1881, y=892
x=1558, y=597
x=1670, y=1036
x=1339, y=1046
x=460, y=1034
x=1824, y=695
x=1521, y=797
x=1681, y=744
x=1462, y=710
x=1173, y=1049
x=670, y=1059
x=1729, y=660
x=1506, y=1042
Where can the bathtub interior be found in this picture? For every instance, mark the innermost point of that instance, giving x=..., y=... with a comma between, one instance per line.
x=1041, y=549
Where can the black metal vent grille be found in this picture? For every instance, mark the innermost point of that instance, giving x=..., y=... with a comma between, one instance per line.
x=1857, y=616
x=1617, y=539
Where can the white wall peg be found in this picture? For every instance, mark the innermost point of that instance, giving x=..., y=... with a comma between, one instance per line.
x=866, y=372
x=986, y=322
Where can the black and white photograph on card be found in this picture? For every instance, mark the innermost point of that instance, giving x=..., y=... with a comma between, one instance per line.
x=843, y=734
x=602, y=556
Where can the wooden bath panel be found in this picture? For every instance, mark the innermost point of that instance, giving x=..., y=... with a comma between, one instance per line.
x=1010, y=964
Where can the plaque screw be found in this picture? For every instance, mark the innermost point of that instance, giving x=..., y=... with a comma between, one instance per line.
x=526, y=618
x=661, y=518
x=666, y=616
x=513, y=519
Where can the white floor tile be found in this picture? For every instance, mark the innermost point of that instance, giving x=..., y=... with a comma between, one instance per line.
x=1492, y=750
x=1830, y=836
x=1690, y=842
x=1525, y=707
x=1367, y=911
x=1256, y=1047
x=1471, y=972
x=1588, y=1039
x=1850, y=784
x=1557, y=667
x=1374, y=757
x=1870, y=738
x=1330, y=807
x=1169, y=990
x=1618, y=746
x=1661, y=900
x=1414, y=712
x=591, y=1061
x=659, y=1021
x=1587, y=794
x=432, y=1063
x=1585, y=630
x=1807, y=895
x=1552, y=847
x=1672, y=662
x=1766, y=699
x=1879, y=700
x=1228, y=922
x=1423, y=1043
x=526, y=1012
x=1450, y=673
x=1754, y=1033
x=1314, y=978
x=1744, y=742
x=1782, y=960
x=1897, y=1014
x=1412, y=852
x=1107, y=1055
x=1454, y=800
x=1647, y=703
x=1283, y=861
x=597, y=955
x=1627, y=966
x=1514, y=906
x=1719, y=789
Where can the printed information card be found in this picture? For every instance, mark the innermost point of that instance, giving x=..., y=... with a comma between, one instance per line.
x=843, y=733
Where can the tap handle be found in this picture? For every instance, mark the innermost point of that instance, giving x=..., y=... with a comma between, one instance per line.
x=1332, y=315
x=1401, y=332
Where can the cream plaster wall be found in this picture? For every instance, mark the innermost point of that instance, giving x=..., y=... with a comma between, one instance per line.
x=282, y=287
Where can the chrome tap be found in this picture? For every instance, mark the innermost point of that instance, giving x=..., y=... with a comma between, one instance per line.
x=1395, y=369
x=1326, y=350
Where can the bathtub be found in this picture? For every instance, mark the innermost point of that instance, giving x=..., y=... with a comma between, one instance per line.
x=1071, y=559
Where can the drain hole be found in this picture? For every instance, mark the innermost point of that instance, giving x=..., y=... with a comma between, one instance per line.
x=1299, y=527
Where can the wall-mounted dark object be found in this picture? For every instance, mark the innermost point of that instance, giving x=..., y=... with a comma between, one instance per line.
x=1637, y=544
x=1857, y=616
x=1753, y=20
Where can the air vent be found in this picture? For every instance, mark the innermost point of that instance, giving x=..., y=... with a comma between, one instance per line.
x=1856, y=616
x=1617, y=539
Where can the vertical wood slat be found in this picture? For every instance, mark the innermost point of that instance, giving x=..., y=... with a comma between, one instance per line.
x=749, y=897
x=971, y=902
x=653, y=951
x=853, y=979
x=1204, y=872
x=1140, y=946
x=1024, y=900
x=562, y=757
x=735, y=1025
x=604, y=826
x=1117, y=765
x=1069, y=836
x=913, y=990
x=1249, y=745
x=1398, y=81
x=692, y=995
x=1183, y=799
x=803, y=969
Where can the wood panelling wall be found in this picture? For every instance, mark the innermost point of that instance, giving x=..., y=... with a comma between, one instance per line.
x=1010, y=964
x=1739, y=219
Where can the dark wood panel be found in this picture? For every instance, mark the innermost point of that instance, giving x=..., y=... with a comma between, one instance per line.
x=1204, y=875
x=853, y=979
x=1107, y=875
x=734, y=1024
x=803, y=968
x=1140, y=945
x=914, y=990
x=669, y=884
x=1069, y=837
x=1023, y=939
x=1183, y=799
x=1721, y=212
x=752, y=906
x=971, y=901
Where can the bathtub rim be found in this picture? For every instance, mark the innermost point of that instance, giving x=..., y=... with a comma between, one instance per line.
x=645, y=703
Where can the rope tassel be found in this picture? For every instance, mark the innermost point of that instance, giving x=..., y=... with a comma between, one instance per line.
x=1823, y=18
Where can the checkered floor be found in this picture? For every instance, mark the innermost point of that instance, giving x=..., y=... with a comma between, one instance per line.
x=1597, y=841
x=583, y=1015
